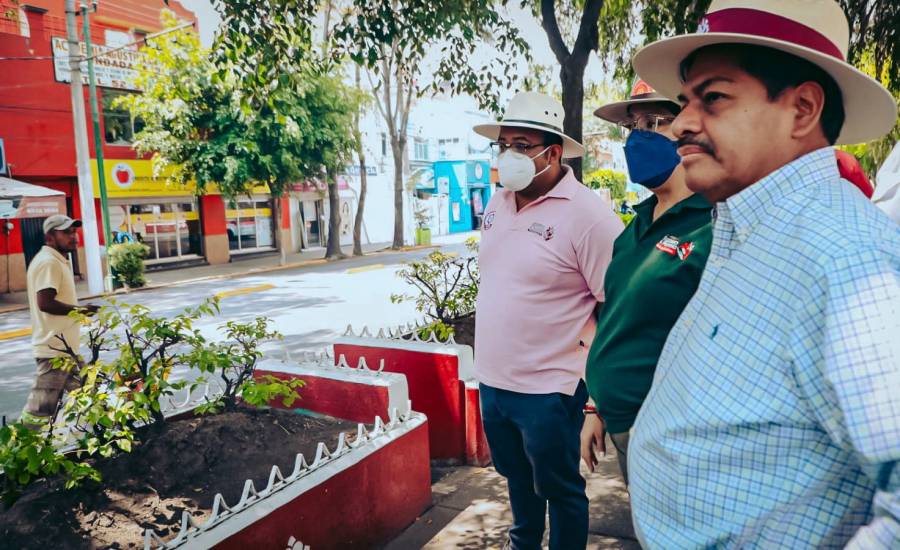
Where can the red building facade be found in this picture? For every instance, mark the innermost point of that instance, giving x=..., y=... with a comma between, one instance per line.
x=36, y=128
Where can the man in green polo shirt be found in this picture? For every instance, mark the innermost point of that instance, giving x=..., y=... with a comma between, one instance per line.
x=655, y=269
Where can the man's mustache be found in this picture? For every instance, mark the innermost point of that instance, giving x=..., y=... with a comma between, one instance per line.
x=706, y=146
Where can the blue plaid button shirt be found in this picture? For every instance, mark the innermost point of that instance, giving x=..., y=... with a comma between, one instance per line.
x=774, y=416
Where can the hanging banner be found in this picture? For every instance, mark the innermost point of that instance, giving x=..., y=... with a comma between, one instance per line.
x=116, y=70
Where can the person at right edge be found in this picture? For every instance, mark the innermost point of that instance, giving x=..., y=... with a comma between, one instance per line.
x=655, y=269
x=773, y=419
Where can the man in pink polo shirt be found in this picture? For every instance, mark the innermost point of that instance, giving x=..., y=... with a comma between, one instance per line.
x=546, y=242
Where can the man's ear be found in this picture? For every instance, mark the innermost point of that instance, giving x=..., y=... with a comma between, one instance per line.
x=557, y=152
x=808, y=102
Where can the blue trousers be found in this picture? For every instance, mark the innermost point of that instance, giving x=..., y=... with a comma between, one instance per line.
x=535, y=445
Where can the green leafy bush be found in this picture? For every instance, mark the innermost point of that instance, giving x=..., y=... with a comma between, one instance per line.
x=127, y=262
x=234, y=361
x=123, y=391
x=447, y=287
x=27, y=455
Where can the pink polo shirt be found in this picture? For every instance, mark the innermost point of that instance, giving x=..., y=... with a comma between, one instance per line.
x=542, y=272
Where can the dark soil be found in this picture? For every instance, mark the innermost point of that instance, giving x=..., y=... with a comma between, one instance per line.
x=180, y=467
x=464, y=330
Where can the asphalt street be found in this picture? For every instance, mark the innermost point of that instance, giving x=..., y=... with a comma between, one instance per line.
x=310, y=306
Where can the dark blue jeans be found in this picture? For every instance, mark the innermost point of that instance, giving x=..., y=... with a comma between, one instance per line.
x=535, y=445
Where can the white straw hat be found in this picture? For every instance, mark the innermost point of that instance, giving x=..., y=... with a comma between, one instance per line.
x=537, y=112
x=641, y=94
x=814, y=30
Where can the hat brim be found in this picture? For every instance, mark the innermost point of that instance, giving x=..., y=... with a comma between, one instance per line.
x=617, y=112
x=870, y=110
x=571, y=148
x=67, y=225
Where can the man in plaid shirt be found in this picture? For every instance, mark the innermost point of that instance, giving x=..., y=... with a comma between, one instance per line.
x=774, y=416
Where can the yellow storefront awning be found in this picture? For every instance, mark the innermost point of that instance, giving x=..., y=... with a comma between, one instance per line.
x=126, y=178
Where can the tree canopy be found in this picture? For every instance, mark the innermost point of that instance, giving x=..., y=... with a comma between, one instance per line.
x=199, y=125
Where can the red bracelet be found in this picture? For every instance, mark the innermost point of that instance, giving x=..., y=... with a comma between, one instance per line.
x=589, y=409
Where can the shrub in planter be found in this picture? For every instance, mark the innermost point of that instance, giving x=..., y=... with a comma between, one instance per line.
x=447, y=287
x=127, y=263
x=120, y=393
x=234, y=362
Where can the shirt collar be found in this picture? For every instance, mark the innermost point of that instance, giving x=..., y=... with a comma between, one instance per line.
x=749, y=206
x=695, y=201
x=55, y=253
x=566, y=187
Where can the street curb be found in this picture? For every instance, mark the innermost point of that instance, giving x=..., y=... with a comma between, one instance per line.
x=252, y=271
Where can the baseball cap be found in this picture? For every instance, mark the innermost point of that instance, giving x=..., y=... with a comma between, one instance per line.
x=59, y=222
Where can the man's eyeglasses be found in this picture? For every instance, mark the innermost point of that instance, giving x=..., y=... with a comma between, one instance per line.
x=498, y=147
x=650, y=123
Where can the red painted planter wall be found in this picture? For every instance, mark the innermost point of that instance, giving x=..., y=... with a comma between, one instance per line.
x=361, y=507
x=434, y=389
x=359, y=402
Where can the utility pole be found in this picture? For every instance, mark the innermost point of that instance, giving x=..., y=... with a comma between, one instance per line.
x=95, y=117
x=85, y=182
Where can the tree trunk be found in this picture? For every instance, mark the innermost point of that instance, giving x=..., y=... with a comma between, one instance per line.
x=572, y=79
x=363, y=184
x=279, y=242
x=398, y=144
x=333, y=249
x=363, y=178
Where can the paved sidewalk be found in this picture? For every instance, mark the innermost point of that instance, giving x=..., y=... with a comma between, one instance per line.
x=15, y=301
x=471, y=511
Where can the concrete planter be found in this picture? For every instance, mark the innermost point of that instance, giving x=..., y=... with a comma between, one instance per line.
x=358, y=493
x=442, y=385
x=423, y=236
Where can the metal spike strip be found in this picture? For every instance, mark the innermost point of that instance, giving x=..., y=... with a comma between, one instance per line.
x=408, y=332
x=249, y=496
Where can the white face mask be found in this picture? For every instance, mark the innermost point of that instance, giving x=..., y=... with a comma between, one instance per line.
x=516, y=170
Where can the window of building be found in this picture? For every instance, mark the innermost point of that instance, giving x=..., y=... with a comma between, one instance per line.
x=421, y=149
x=445, y=146
x=171, y=230
x=250, y=224
x=383, y=145
x=118, y=125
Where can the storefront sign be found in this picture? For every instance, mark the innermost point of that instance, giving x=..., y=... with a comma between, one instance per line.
x=317, y=186
x=353, y=170
x=115, y=70
x=122, y=175
x=126, y=178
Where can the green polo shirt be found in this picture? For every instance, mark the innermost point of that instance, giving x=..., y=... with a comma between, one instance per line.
x=655, y=269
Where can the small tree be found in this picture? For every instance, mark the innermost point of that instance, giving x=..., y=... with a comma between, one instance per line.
x=447, y=287
x=234, y=362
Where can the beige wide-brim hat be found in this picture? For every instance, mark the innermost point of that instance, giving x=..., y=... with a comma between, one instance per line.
x=619, y=112
x=814, y=30
x=537, y=112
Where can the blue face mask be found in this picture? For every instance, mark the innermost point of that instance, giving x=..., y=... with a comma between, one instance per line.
x=651, y=158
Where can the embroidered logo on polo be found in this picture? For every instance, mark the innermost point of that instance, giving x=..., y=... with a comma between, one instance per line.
x=671, y=245
x=539, y=229
x=488, y=220
x=684, y=250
